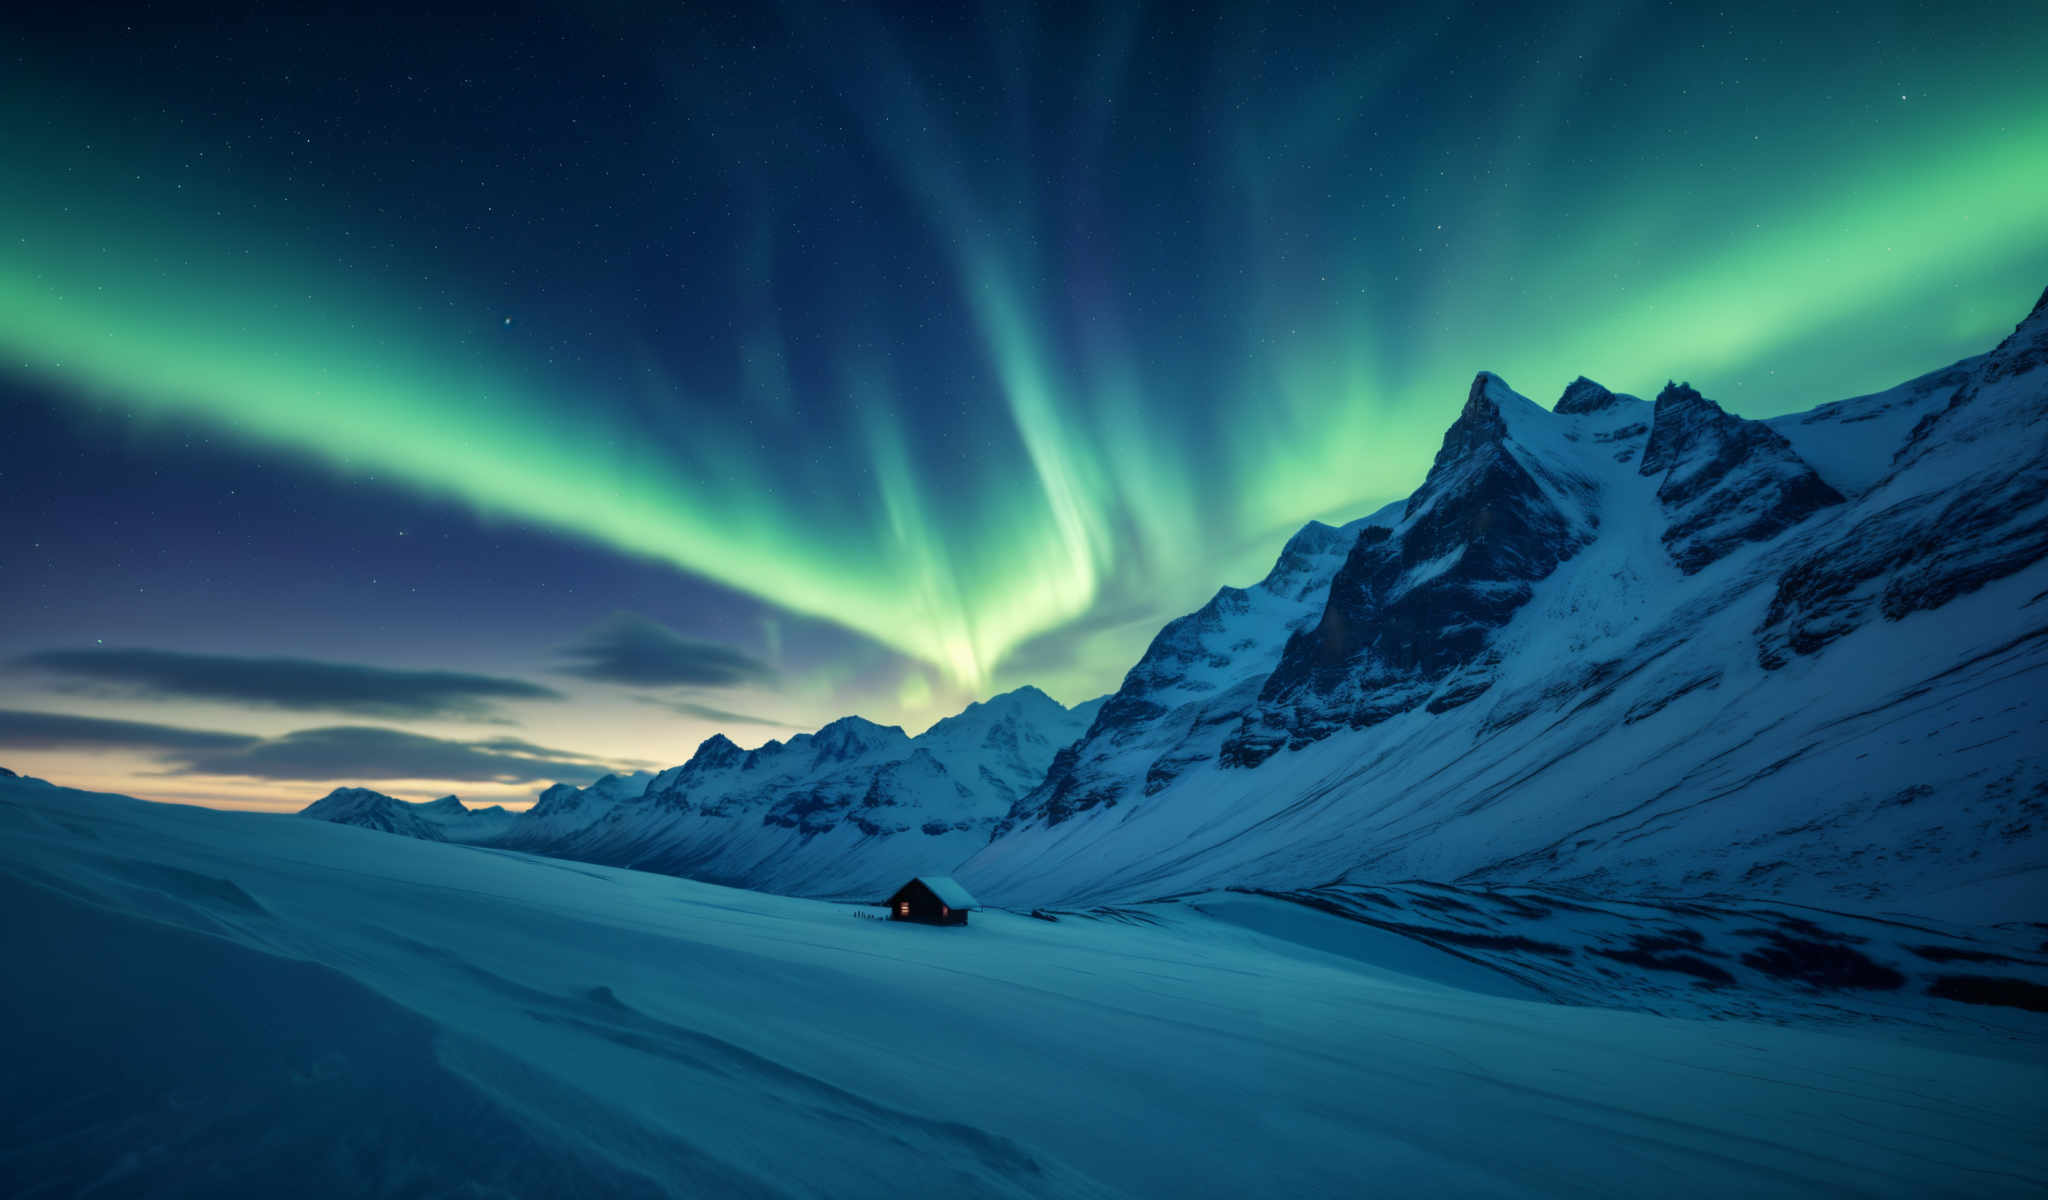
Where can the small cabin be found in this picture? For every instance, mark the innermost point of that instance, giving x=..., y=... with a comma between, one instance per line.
x=932, y=900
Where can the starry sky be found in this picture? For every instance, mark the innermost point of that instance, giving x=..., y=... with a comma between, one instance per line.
x=444, y=403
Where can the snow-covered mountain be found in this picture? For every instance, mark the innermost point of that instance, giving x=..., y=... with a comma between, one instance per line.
x=1627, y=646
x=366, y=809
x=224, y=1003
x=445, y=819
x=849, y=809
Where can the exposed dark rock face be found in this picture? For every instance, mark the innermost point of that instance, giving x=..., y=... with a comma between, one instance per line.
x=1201, y=639
x=1966, y=504
x=1582, y=395
x=1726, y=482
x=1209, y=655
x=1413, y=605
x=1824, y=964
x=1991, y=989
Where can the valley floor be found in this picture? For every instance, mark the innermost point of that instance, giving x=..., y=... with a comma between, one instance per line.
x=216, y=1003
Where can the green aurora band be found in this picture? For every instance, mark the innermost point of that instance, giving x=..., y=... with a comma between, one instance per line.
x=1893, y=254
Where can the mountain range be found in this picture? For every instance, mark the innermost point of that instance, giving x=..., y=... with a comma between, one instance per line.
x=846, y=810
x=1620, y=645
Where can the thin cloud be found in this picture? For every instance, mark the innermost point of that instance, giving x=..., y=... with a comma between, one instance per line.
x=297, y=684
x=351, y=752
x=375, y=753
x=21, y=730
x=690, y=708
x=631, y=649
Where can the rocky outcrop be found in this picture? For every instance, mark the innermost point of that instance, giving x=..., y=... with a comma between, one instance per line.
x=1582, y=396
x=1724, y=482
x=1188, y=691
x=1965, y=504
x=1415, y=605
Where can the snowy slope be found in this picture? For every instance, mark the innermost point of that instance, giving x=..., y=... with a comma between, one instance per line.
x=332, y=1011
x=1632, y=648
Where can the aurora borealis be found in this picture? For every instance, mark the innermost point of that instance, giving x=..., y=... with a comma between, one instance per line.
x=896, y=355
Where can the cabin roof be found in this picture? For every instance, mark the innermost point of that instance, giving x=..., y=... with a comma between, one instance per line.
x=950, y=893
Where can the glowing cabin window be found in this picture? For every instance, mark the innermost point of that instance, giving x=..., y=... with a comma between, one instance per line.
x=903, y=910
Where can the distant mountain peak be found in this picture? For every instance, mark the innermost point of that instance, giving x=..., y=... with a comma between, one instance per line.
x=850, y=737
x=558, y=797
x=369, y=809
x=345, y=798
x=714, y=752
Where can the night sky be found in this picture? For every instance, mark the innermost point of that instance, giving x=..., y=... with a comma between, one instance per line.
x=458, y=403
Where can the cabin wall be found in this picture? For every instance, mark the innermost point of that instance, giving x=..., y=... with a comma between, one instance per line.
x=924, y=907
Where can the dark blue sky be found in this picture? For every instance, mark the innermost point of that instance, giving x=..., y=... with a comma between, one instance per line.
x=898, y=355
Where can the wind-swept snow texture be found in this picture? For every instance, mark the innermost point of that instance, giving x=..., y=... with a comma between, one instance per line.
x=208, y=1003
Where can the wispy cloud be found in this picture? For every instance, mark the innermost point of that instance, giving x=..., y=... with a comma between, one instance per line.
x=21, y=730
x=690, y=708
x=371, y=752
x=631, y=649
x=335, y=752
x=298, y=684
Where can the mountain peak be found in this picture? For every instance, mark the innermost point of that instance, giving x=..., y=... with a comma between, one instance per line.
x=849, y=737
x=1417, y=602
x=1479, y=424
x=1675, y=392
x=1582, y=395
x=1486, y=393
x=1684, y=421
x=1026, y=704
x=345, y=800
x=368, y=809
x=556, y=798
x=1726, y=481
x=715, y=751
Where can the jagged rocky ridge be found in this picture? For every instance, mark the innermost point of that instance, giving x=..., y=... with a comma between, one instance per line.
x=1408, y=618
x=1625, y=646
x=1614, y=644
